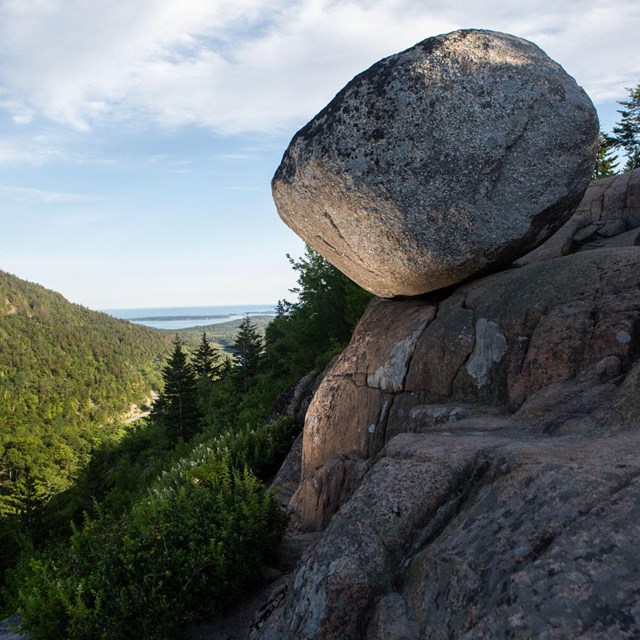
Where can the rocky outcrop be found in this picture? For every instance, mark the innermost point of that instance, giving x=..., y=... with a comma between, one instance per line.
x=492, y=348
x=473, y=458
x=471, y=462
x=607, y=216
x=467, y=533
x=439, y=163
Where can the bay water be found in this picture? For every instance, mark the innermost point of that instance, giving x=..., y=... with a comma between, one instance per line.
x=185, y=317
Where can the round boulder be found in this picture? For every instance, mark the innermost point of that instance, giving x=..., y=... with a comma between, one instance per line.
x=443, y=162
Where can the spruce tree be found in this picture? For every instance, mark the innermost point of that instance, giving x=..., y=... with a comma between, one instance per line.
x=305, y=334
x=28, y=495
x=606, y=162
x=206, y=360
x=177, y=407
x=247, y=353
x=626, y=133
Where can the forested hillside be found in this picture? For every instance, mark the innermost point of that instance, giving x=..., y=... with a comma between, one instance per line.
x=65, y=373
x=222, y=334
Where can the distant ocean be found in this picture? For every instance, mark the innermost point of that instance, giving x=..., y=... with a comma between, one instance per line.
x=185, y=317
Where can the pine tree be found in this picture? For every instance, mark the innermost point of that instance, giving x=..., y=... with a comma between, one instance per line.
x=606, y=162
x=28, y=495
x=177, y=407
x=206, y=360
x=626, y=133
x=305, y=334
x=247, y=353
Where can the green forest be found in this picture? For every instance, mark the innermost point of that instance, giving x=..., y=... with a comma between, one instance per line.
x=67, y=376
x=115, y=530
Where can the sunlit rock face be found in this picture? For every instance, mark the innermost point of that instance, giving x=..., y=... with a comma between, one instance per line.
x=439, y=163
x=527, y=349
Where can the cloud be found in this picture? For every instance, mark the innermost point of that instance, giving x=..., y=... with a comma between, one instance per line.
x=29, y=196
x=237, y=66
x=33, y=150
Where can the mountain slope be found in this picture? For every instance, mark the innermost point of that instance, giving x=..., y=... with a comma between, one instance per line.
x=65, y=373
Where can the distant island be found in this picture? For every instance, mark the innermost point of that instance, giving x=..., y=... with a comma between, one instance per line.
x=191, y=317
x=171, y=318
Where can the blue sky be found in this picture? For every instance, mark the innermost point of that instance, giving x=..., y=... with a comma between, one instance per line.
x=138, y=139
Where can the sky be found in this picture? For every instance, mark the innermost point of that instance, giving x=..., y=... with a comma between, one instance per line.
x=138, y=139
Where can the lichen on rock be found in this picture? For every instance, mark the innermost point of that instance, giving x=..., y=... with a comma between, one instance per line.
x=450, y=159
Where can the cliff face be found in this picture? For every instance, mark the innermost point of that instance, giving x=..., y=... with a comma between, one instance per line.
x=473, y=458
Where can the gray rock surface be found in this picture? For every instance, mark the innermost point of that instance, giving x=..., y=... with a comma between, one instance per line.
x=472, y=460
x=288, y=477
x=607, y=216
x=543, y=342
x=525, y=337
x=9, y=628
x=447, y=160
x=470, y=533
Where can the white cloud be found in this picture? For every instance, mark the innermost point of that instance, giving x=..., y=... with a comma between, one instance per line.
x=33, y=150
x=263, y=65
x=28, y=195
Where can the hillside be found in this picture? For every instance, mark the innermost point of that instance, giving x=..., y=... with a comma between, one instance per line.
x=65, y=373
x=222, y=334
x=171, y=523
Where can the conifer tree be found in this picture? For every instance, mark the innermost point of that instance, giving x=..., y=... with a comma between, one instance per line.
x=606, y=162
x=626, y=133
x=247, y=353
x=305, y=334
x=177, y=407
x=28, y=496
x=206, y=360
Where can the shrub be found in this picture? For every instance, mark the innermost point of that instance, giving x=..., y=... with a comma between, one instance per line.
x=262, y=448
x=191, y=546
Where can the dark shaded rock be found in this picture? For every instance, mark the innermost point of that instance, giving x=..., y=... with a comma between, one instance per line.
x=288, y=477
x=293, y=548
x=10, y=628
x=332, y=485
x=449, y=159
x=294, y=403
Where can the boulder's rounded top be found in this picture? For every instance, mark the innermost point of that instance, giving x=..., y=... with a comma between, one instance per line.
x=443, y=161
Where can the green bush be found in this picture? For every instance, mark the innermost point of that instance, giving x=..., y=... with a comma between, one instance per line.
x=195, y=543
x=262, y=448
